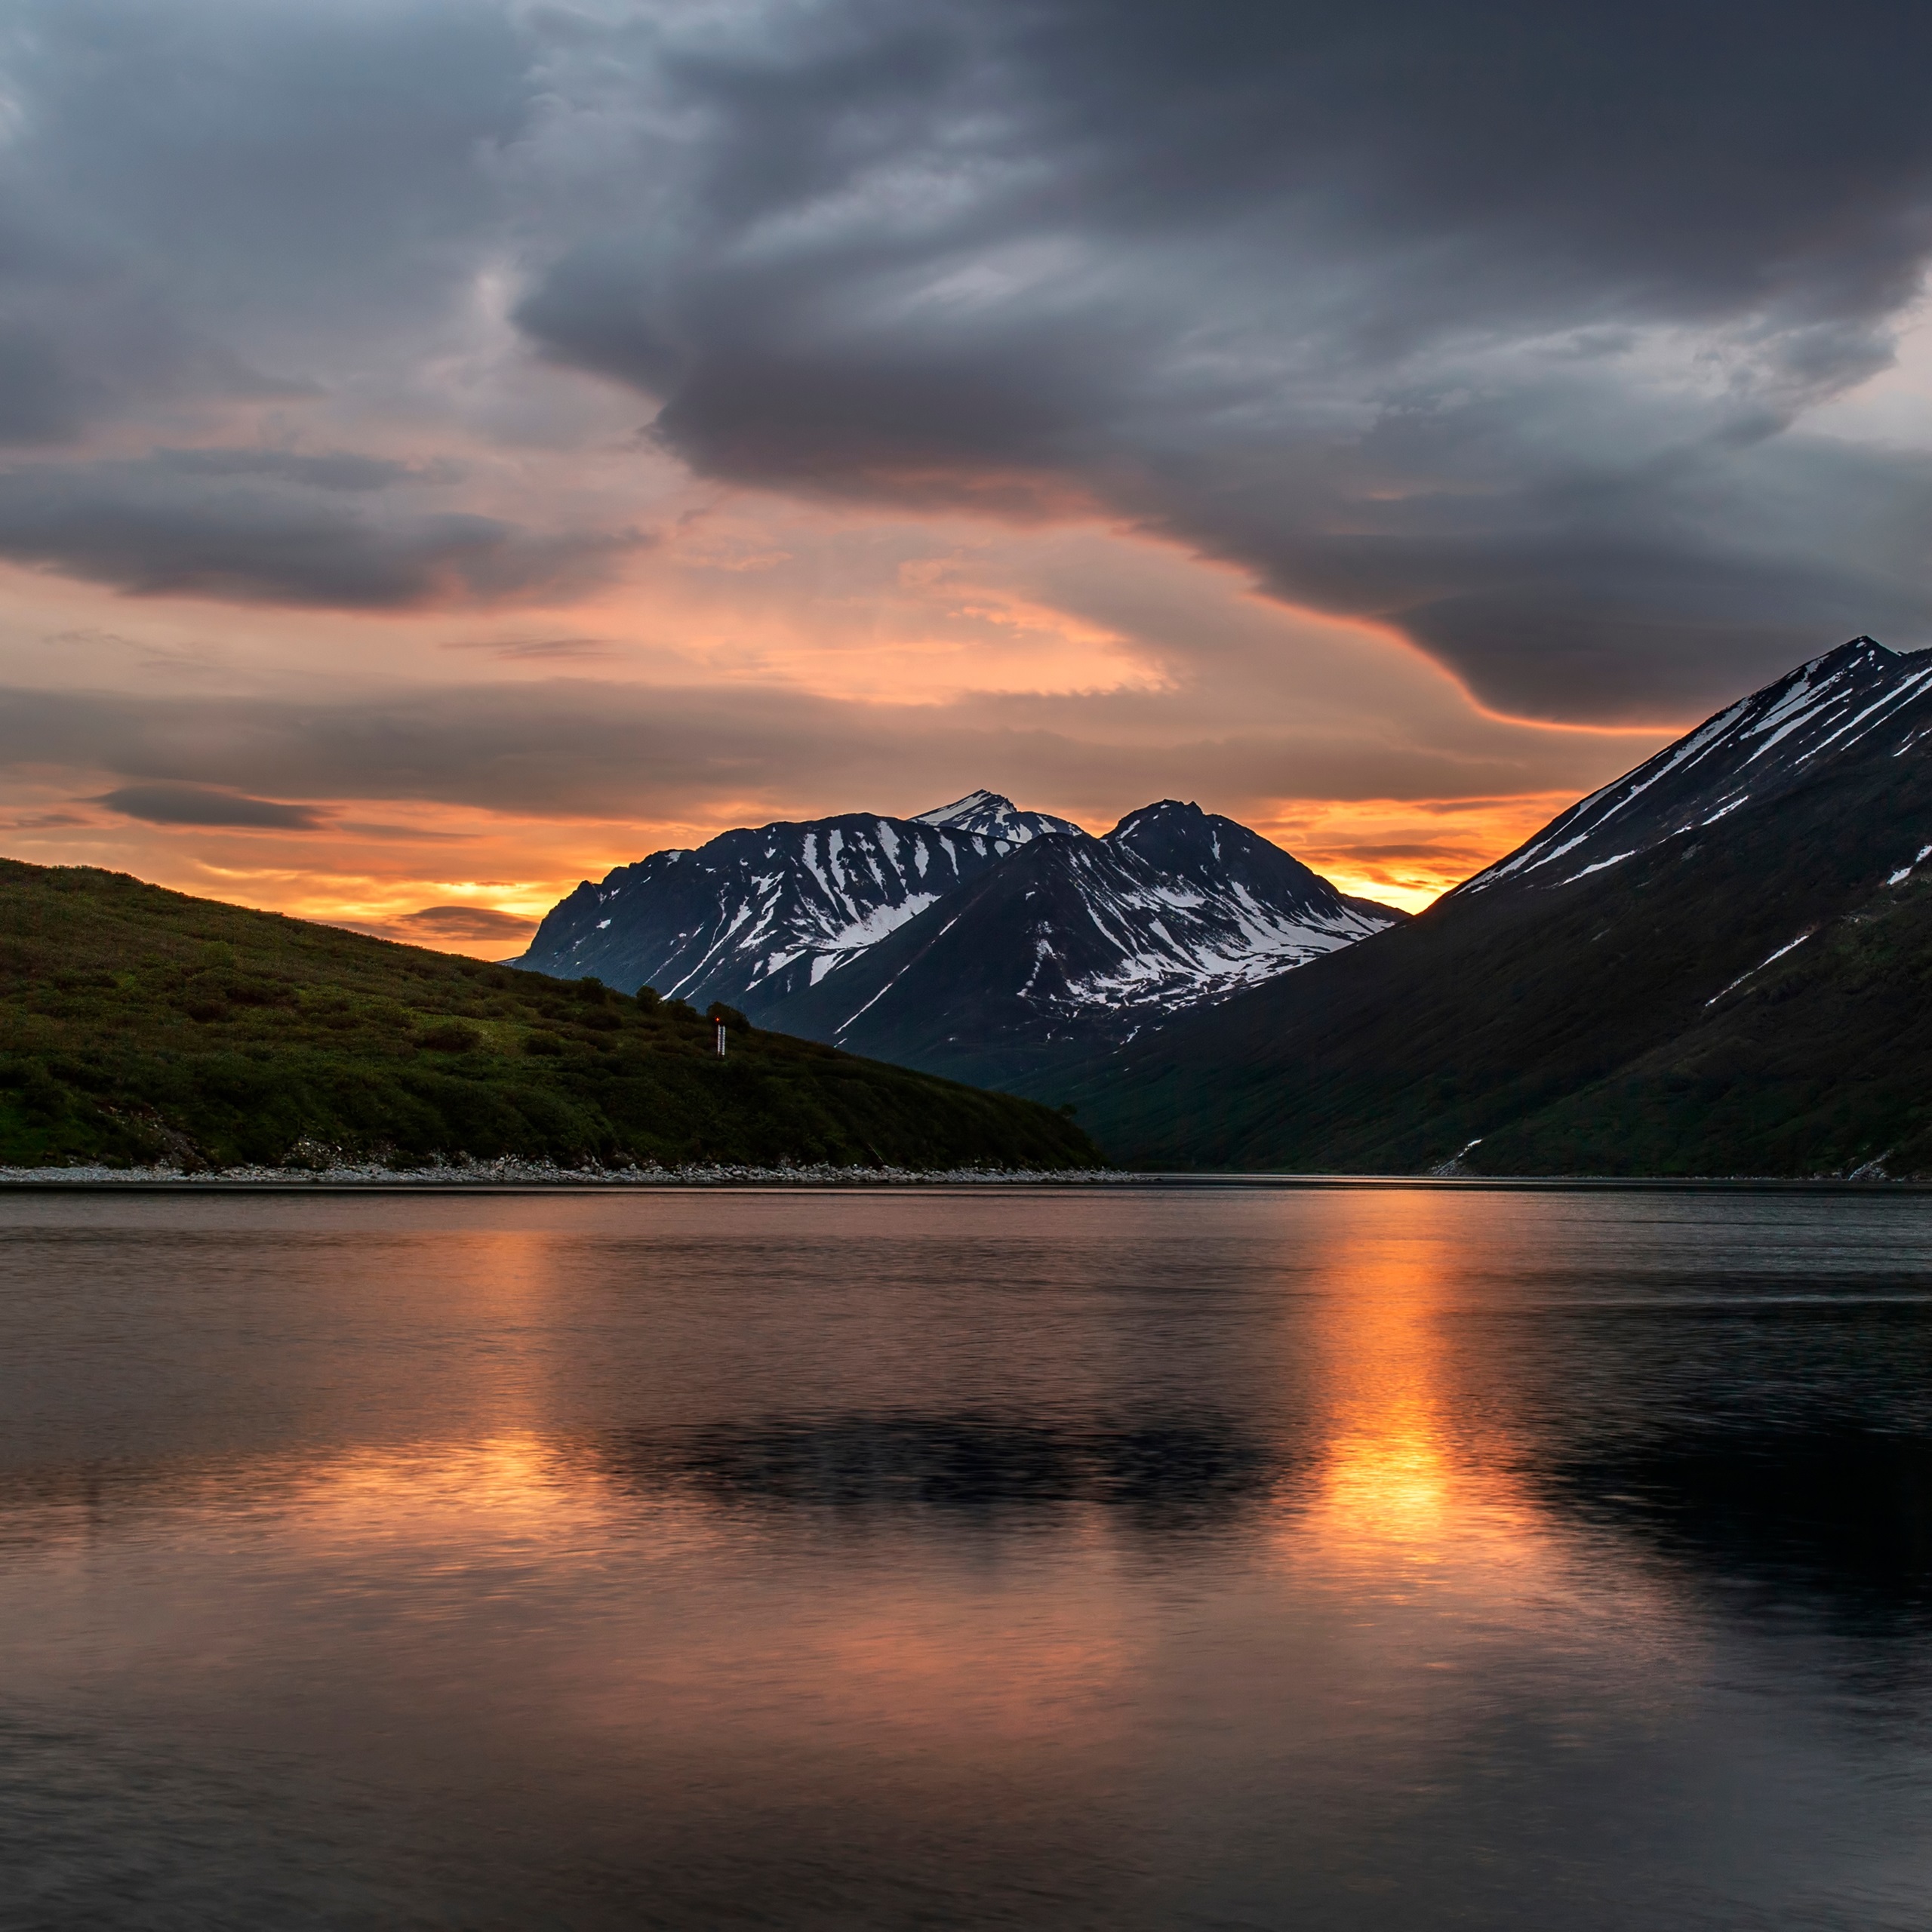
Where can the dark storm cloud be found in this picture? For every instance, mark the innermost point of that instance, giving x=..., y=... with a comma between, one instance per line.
x=200, y=805
x=340, y=531
x=40, y=401
x=177, y=181
x=1691, y=575
x=477, y=925
x=1500, y=321
x=1493, y=320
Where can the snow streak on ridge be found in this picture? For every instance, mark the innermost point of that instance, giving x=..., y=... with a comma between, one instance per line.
x=1751, y=751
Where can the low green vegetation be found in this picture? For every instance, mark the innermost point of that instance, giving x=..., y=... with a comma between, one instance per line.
x=138, y=1025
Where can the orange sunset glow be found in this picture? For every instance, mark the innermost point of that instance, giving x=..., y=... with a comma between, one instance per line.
x=444, y=776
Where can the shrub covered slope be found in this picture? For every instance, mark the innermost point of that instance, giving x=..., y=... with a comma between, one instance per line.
x=137, y=1024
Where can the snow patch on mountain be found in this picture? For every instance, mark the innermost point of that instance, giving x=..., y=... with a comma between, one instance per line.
x=993, y=817
x=1072, y=943
x=759, y=913
x=1789, y=945
x=1038, y=933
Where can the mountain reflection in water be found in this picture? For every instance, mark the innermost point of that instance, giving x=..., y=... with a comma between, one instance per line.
x=1163, y=1559
x=1839, y=1518
x=1164, y=1473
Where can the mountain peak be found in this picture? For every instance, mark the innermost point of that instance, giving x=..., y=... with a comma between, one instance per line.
x=1844, y=703
x=1855, y=648
x=966, y=808
x=1160, y=808
x=1066, y=946
x=1170, y=828
x=990, y=815
x=1713, y=966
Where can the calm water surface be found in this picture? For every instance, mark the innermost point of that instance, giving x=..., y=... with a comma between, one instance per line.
x=1169, y=1559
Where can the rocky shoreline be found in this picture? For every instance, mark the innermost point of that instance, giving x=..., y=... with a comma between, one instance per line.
x=544, y=1173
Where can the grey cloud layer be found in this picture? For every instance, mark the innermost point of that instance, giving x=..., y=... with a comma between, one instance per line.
x=578, y=747
x=456, y=924
x=245, y=200
x=339, y=531
x=1499, y=321
x=178, y=182
x=200, y=805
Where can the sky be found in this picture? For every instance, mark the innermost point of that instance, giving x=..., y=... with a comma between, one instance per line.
x=450, y=448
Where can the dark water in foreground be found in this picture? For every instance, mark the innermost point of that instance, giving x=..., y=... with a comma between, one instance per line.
x=1181, y=1559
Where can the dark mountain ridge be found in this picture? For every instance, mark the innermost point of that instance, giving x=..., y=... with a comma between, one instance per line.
x=975, y=940
x=1076, y=943
x=1756, y=749
x=753, y=916
x=1720, y=964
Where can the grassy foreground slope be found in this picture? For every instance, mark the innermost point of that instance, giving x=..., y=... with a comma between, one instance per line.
x=137, y=1024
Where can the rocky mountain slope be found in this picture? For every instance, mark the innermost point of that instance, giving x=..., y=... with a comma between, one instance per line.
x=975, y=939
x=1821, y=714
x=1719, y=964
x=753, y=916
x=1075, y=943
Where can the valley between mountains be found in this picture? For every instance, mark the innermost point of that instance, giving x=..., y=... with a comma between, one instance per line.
x=1719, y=964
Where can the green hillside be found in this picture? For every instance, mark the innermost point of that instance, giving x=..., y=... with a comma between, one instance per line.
x=137, y=1024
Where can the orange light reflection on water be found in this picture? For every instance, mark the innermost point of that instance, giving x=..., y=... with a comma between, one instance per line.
x=1413, y=1472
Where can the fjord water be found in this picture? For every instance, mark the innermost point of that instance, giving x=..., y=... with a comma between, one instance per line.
x=1076, y=1558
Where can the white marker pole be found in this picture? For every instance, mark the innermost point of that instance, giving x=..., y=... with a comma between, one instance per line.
x=721, y=1039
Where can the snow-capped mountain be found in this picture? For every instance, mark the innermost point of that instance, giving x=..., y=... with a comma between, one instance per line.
x=1075, y=943
x=991, y=816
x=1748, y=754
x=754, y=915
x=975, y=929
